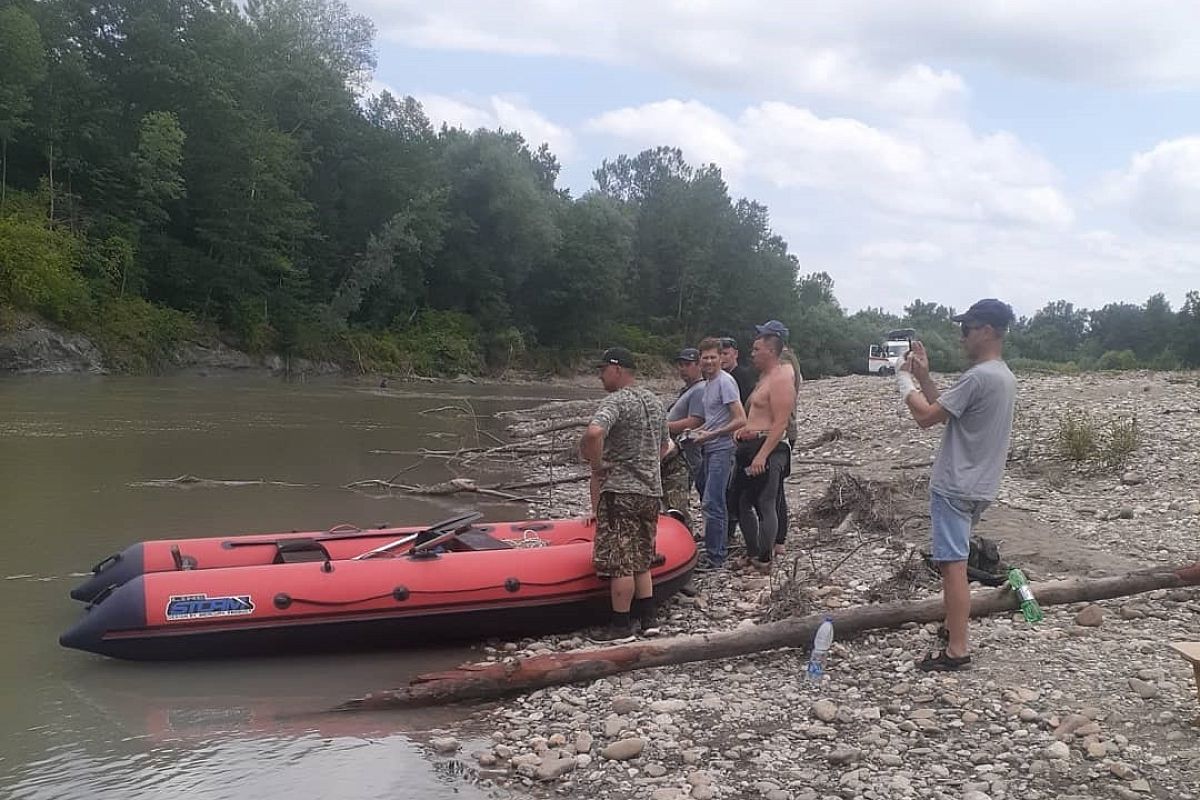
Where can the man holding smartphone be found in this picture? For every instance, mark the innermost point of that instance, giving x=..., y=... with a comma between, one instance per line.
x=978, y=412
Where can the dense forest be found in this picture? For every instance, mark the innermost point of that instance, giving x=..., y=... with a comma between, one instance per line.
x=195, y=169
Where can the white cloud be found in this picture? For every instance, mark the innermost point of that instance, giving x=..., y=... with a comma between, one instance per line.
x=510, y=112
x=938, y=169
x=899, y=56
x=702, y=133
x=1160, y=188
x=922, y=252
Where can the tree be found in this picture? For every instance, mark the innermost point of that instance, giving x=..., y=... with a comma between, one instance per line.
x=575, y=295
x=23, y=65
x=1187, y=336
x=816, y=289
x=1055, y=333
x=157, y=164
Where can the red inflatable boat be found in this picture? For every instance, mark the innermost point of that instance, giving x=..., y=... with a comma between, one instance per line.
x=203, y=598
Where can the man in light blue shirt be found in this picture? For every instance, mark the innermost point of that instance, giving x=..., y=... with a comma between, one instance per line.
x=723, y=414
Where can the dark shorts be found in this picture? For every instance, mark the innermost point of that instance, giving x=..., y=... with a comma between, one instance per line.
x=625, y=529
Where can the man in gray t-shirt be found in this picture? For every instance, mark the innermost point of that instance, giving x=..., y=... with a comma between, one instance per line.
x=723, y=414
x=978, y=412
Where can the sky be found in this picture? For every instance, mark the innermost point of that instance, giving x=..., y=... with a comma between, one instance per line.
x=1031, y=151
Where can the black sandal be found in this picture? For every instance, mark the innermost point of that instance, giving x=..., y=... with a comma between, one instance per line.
x=941, y=661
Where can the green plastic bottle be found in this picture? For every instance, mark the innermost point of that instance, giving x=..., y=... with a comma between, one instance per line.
x=1029, y=603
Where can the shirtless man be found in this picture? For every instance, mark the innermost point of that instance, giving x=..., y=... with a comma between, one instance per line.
x=790, y=365
x=762, y=452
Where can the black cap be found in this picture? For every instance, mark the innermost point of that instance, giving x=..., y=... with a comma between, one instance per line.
x=689, y=354
x=616, y=355
x=772, y=327
x=728, y=342
x=988, y=312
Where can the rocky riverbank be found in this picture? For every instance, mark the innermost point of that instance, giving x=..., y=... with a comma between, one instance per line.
x=32, y=346
x=1088, y=703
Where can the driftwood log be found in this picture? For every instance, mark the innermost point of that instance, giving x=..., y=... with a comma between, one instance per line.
x=494, y=680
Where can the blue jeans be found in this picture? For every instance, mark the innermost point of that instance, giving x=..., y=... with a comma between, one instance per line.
x=952, y=519
x=717, y=472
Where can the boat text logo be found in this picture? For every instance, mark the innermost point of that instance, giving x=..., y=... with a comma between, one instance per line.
x=200, y=606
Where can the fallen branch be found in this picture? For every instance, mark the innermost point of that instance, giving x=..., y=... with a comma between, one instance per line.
x=828, y=435
x=541, y=484
x=827, y=462
x=541, y=430
x=191, y=481
x=914, y=465
x=499, y=679
x=440, y=409
x=452, y=486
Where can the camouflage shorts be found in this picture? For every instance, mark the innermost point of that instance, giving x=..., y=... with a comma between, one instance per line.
x=677, y=487
x=625, y=528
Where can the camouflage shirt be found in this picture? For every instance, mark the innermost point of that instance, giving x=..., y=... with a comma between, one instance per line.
x=635, y=426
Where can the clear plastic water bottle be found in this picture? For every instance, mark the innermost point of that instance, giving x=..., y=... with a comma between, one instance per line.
x=820, y=650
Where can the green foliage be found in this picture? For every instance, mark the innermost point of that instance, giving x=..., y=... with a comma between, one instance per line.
x=137, y=336
x=638, y=340
x=1086, y=441
x=1117, y=360
x=1121, y=440
x=1077, y=439
x=23, y=66
x=157, y=164
x=37, y=270
x=443, y=342
x=1033, y=365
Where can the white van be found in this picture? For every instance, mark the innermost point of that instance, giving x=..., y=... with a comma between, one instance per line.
x=886, y=358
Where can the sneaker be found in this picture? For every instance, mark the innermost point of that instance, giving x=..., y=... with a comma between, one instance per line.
x=613, y=634
x=704, y=565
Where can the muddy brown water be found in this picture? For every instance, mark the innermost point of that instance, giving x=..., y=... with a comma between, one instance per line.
x=74, y=725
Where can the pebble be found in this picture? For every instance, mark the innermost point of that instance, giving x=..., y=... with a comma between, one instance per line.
x=555, y=768
x=625, y=705
x=1144, y=689
x=667, y=706
x=843, y=755
x=1123, y=771
x=825, y=710
x=1058, y=750
x=1090, y=617
x=624, y=749
x=444, y=744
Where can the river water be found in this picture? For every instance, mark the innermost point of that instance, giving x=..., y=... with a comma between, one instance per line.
x=74, y=725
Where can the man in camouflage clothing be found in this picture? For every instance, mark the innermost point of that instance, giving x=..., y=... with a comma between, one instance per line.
x=623, y=443
x=685, y=414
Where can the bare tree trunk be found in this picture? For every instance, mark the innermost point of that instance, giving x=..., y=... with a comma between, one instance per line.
x=3, y=172
x=494, y=680
x=51, y=155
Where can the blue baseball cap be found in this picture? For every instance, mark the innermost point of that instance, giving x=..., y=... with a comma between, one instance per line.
x=989, y=311
x=772, y=327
